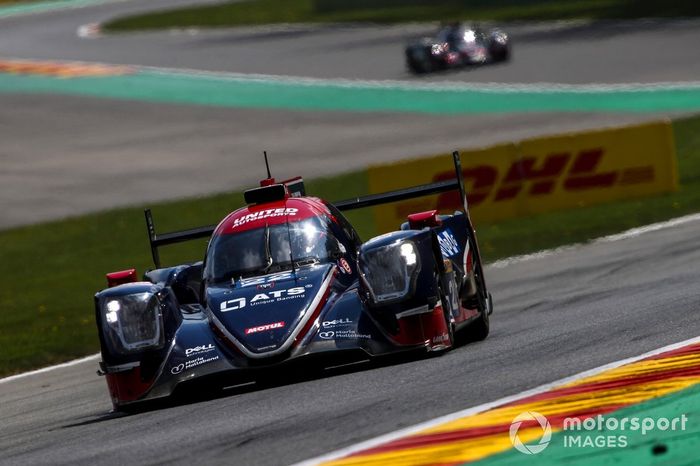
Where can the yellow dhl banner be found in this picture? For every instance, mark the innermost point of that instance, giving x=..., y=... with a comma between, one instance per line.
x=538, y=175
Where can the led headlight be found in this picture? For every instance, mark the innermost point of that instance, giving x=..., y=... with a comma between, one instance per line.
x=389, y=271
x=499, y=37
x=408, y=251
x=133, y=322
x=437, y=49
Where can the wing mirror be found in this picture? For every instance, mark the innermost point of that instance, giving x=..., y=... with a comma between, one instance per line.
x=336, y=250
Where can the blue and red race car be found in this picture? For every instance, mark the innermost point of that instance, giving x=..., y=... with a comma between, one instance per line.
x=457, y=46
x=287, y=279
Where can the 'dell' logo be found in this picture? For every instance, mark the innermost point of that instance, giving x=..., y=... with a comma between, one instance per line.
x=530, y=417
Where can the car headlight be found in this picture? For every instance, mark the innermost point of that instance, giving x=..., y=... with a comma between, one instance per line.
x=438, y=49
x=133, y=322
x=390, y=271
x=499, y=37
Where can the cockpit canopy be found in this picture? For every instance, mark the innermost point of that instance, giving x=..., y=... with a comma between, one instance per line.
x=455, y=34
x=271, y=247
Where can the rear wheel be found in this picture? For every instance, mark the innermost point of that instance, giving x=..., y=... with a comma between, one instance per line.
x=479, y=329
x=501, y=54
x=446, y=307
x=417, y=67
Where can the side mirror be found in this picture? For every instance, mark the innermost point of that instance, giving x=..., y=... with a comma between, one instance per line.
x=336, y=250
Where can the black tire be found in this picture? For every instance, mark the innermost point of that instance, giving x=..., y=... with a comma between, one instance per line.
x=479, y=329
x=444, y=300
x=416, y=67
x=502, y=55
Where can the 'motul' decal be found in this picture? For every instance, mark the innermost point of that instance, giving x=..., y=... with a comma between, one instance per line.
x=540, y=175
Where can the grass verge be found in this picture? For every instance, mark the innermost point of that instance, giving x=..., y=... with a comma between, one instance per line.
x=393, y=11
x=49, y=272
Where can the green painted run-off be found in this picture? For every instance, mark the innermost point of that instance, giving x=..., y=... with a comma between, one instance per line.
x=224, y=91
x=679, y=447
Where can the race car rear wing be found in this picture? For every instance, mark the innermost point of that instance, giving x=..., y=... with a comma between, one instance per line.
x=456, y=184
x=409, y=193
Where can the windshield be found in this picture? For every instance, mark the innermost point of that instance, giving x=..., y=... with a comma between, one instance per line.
x=455, y=35
x=267, y=249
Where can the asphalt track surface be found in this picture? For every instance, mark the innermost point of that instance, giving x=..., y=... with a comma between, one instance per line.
x=555, y=316
x=65, y=156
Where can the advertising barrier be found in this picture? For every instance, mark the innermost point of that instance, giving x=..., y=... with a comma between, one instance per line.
x=539, y=175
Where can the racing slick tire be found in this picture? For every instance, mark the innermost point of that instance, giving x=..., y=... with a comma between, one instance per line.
x=444, y=300
x=502, y=54
x=479, y=329
x=417, y=67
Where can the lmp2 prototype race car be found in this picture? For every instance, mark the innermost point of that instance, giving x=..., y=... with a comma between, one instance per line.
x=456, y=46
x=287, y=279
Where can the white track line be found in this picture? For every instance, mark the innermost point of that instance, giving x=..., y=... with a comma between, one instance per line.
x=74, y=362
x=631, y=233
x=634, y=232
x=540, y=87
x=442, y=86
x=486, y=406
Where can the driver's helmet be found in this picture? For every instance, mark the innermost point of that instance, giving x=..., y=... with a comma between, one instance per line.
x=309, y=239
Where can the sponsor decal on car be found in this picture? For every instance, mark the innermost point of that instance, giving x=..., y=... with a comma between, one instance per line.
x=233, y=304
x=263, y=214
x=343, y=334
x=265, y=298
x=448, y=243
x=336, y=323
x=279, y=295
x=199, y=350
x=192, y=363
x=344, y=266
x=264, y=328
x=271, y=278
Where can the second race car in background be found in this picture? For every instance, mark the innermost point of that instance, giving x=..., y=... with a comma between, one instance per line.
x=456, y=46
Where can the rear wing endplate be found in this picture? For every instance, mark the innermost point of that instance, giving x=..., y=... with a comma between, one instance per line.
x=456, y=184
